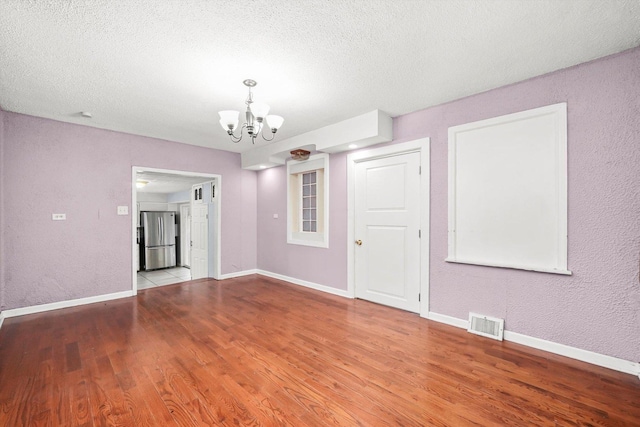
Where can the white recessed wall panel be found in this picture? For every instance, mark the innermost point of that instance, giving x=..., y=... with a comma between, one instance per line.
x=388, y=269
x=508, y=191
x=386, y=188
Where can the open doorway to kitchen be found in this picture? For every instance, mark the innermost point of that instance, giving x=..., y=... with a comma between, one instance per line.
x=162, y=199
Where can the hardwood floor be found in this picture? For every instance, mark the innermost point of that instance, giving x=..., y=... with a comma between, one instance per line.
x=257, y=351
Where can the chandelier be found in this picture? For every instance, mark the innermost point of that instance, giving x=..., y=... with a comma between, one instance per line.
x=256, y=116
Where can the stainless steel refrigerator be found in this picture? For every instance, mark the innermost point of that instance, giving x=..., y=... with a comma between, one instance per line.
x=159, y=239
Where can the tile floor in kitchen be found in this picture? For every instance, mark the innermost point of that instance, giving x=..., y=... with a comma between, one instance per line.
x=167, y=276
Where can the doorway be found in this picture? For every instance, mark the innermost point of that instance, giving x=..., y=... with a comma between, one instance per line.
x=177, y=180
x=166, y=276
x=388, y=230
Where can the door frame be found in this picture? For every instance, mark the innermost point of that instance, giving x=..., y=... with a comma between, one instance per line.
x=421, y=146
x=184, y=226
x=217, y=224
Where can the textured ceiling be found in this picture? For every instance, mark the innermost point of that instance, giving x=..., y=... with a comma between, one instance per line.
x=165, y=68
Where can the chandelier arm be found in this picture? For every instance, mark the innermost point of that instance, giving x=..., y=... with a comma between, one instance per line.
x=237, y=139
x=273, y=135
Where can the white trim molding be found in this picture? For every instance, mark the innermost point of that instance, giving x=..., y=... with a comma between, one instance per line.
x=237, y=274
x=1, y=318
x=65, y=304
x=448, y=320
x=575, y=353
x=609, y=362
x=311, y=285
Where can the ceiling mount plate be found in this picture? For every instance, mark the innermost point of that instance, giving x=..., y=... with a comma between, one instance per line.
x=249, y=83
x=300, y=154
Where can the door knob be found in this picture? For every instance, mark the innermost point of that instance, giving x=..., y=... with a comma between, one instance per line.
x=359, y=242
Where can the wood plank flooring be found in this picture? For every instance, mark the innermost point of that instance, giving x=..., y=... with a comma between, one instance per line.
x=257, y=351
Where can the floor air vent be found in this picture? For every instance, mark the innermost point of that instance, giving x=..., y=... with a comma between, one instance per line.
x=486, y=326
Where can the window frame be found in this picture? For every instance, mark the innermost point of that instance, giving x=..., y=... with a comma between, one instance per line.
x=312, y=196
x=295, y=171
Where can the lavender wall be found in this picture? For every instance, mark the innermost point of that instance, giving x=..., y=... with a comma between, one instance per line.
x=50, y=166
x=598, y=307
x=318, y=265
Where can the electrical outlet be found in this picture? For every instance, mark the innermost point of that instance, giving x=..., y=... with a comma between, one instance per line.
x=58, y=217
x=123, y=210
x=275, y=216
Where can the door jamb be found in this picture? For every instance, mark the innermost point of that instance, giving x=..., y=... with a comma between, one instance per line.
x=134, y=203
x=183, y=226
x=422, y=146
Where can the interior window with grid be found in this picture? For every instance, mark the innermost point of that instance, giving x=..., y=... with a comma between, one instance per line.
x=309, y=202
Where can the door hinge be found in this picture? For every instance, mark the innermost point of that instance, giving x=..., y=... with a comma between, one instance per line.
x=419, y=170
x=419, y=234
x=419, y=297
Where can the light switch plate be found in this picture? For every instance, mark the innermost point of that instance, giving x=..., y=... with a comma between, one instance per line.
x=123, y=210
x=58, y=216
x=275, y=216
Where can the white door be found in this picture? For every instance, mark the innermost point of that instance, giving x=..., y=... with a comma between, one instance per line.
x=199, y=241
x=387, y=227
x=185, y=235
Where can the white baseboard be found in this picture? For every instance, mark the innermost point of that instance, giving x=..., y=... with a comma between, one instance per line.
x=65, y=304
x=316, y=286
x=1, y=318
x=237, y=274
x=448, y=320
x=597, y=359
x=575, y=353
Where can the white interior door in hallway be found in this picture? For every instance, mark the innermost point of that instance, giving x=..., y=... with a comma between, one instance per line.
x=199, y=241
x=185, y=235
x=387, y=231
